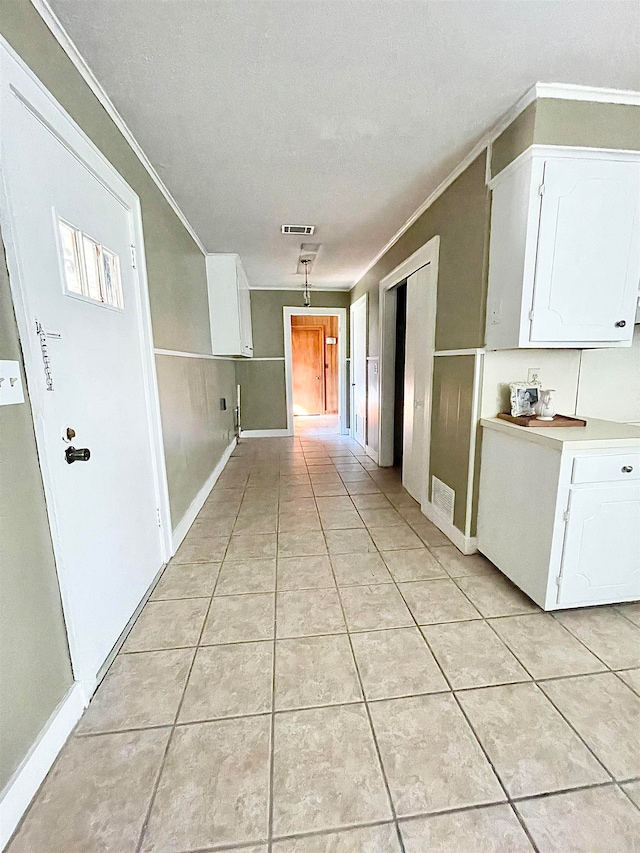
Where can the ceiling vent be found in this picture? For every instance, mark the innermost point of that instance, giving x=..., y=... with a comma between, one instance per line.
x=298, y=229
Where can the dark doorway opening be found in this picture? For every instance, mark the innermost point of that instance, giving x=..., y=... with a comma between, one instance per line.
x=401, y=336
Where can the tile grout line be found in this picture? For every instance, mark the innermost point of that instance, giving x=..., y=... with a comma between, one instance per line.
x=272, y=721
x=154, y=790
x=367, y=709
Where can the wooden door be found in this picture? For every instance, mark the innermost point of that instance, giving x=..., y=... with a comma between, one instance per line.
x=307, y=349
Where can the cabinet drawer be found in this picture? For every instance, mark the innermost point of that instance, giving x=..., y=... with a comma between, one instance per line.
x=606, y=469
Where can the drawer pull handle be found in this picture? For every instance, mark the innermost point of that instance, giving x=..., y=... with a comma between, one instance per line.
x=627, y=469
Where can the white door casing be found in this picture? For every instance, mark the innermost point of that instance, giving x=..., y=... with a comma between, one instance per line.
x=359, y=370
x=601, y=554
x=288, y=312
x=416, y=387
x=109, y=516
x=588, y=251
x=424, y=302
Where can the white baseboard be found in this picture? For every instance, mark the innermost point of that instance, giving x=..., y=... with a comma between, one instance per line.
x=265, y=433
x=26, y=780
x=188, y=518
x=465, y=544
x=372, y=453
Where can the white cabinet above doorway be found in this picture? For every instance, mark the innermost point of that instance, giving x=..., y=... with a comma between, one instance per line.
x=229, y=306
x=564, y=257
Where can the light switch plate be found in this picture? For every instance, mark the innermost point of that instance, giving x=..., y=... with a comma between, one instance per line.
x=10, y=383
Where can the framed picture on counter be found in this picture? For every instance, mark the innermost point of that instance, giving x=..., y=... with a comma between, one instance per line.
x=524, y=396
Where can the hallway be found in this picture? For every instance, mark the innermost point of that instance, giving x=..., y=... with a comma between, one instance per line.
x=318, y=670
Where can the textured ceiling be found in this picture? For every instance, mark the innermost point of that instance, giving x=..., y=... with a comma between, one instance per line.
x=342, y=114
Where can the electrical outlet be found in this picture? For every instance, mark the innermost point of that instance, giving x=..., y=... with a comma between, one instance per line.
x=533, y=374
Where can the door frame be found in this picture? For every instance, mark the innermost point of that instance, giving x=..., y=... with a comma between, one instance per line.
x=425, y=255
x=37, y=98
x=290, y=311
x=352, y=415
x=321, y=329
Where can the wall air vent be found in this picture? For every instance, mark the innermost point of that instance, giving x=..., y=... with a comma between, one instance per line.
x=298, y=229
x=443, y=498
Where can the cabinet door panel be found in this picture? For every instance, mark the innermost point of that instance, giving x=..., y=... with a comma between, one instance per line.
x=601, y=559
x=588, y=257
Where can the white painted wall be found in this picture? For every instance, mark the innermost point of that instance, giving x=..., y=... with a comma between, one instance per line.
x=602, y=383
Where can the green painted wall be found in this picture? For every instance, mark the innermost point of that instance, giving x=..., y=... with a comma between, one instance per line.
x=267, y=316
x=460, y=217
x=451, y=427
x=194, y=429
x=35, y=672
x=34, y=662
x=514, y=139
x=551, y=121
x=263, y=385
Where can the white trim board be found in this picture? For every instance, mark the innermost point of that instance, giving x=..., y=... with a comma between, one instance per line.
x=562, y=91
x=196, y=504
x=297, y=287
x=64, y=40
x=563, y=152
x=26, y=780
x=289, y=311
x=465, y=544
x=181, y=354
x=373, y=454
x=266, y=433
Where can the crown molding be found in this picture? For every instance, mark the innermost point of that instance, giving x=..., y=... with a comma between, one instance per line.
x=572, y=92
x=64, y=40
x=561, y=91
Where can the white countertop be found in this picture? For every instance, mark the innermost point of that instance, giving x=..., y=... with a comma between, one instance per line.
x=596, y=434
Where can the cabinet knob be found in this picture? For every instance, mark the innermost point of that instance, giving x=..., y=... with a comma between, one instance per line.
x=627, y=469
x=621, y=324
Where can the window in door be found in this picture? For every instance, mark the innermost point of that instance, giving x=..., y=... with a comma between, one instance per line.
x=90, y=269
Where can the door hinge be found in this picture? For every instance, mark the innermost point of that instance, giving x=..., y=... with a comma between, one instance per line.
x=565, y=515
x=541, y=189
x=531, y=314
x=558, y=580
x=133, y=257
x=159, y=516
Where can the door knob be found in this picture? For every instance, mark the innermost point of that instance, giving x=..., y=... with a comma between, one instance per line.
x=80, y=454
x=621, y=324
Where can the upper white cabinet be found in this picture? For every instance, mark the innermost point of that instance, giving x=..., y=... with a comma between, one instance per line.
x=564, y=256
x=229, y=306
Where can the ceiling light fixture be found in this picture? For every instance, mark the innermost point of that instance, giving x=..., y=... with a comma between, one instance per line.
x=306, y=293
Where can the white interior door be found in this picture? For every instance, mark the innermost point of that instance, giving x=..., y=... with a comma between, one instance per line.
x=359, y=370
x=416, y=384
x=601, y=557
x=72, y=232
x=588, y=260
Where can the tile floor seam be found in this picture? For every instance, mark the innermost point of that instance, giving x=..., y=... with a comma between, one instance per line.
x=154, y=790
x=492, y=619
x=473, y=731
x=270, y=793
x=369, y=718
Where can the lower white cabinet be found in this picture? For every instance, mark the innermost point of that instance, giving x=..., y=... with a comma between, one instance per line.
x=559, y=510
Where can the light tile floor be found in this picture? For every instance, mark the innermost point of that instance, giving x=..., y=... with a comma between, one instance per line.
x=320, y=671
